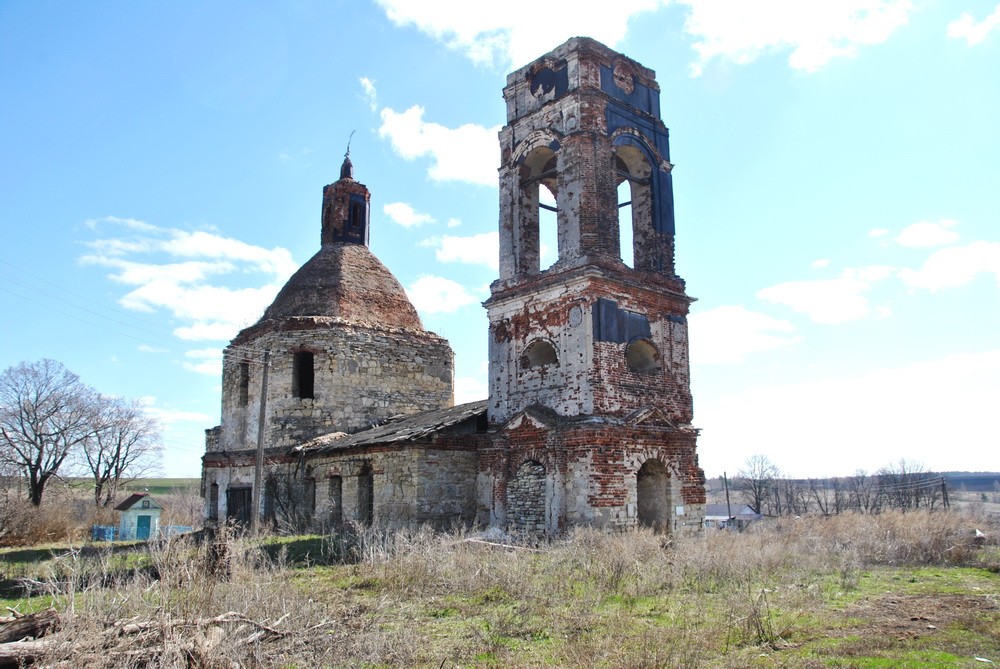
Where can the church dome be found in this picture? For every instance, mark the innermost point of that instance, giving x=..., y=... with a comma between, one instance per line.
x=345, y=281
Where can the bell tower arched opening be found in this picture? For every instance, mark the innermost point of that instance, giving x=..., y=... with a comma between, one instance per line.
x=537, y=245
x=632, y=171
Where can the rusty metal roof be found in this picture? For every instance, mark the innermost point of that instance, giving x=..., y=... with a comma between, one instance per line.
x=402, y=429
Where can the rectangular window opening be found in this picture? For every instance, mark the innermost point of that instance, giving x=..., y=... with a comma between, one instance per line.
x=336, y=500
x=303, y=375
x=244, y=383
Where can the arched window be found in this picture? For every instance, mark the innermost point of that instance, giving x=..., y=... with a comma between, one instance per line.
x=539, y=353
x=537, y=245
x=635, y=205
x=641, y=356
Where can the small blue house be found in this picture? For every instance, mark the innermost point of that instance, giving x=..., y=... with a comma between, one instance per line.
x=140, y=517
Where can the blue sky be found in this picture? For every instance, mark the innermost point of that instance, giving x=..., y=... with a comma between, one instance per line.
x=837, y=190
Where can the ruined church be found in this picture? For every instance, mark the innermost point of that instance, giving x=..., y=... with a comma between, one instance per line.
x=347, y=402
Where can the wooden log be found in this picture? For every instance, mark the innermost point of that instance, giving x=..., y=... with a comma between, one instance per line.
x=33, y=625
x=22, y=653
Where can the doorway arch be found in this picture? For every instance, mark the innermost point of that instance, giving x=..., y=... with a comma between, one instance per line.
x=653, y=496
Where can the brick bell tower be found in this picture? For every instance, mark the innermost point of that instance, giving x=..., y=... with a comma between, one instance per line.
x=590, y=341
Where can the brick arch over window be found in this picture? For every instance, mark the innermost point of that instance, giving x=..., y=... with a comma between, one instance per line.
x=526, y=499
x=539, y=353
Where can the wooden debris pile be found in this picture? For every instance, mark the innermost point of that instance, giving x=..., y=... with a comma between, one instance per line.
x=203, y=643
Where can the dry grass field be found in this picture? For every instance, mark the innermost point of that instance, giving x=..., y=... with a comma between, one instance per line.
x=893, y=590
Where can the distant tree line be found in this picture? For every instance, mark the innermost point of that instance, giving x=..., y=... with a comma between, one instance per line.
x=903, y=486
x=52, y=423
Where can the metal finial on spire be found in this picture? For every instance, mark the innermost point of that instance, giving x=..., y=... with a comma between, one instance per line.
x=347, y=169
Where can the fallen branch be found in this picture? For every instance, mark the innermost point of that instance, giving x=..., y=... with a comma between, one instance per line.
x=34, y=625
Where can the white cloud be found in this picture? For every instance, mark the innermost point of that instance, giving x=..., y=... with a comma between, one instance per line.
x=829, y=300
x=955, y=266
x=965, y=27
x=818, y=264
x=468, y=389
x=192, y=275
x=727, y=334
x=405, y=215
x=170, y=416
x=370, y=94
x=515, y=32
x=481, y=249
x=469, y=153
x=815, y=32
x=878, y=232
x=131, y=223
x=207, y=361
x=926, y=233
x=437, y=295
x=146, y=348
x=939, y=412
x=454, y=222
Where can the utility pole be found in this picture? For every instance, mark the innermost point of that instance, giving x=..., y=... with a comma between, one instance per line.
x=258, y=471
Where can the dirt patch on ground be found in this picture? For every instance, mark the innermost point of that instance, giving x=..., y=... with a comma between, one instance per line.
x=959, y=624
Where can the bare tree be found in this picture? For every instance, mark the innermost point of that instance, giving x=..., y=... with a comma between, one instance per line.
x=822, y=494
x=45, y=413
x=908, y=485
x=756, y=481
x=862, y=492
x=124, y=446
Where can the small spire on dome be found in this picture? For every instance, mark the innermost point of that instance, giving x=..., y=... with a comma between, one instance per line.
x=347, y=168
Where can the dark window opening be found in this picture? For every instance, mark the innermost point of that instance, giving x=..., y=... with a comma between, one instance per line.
x=271, y=500
x=213, y=502
x=357, y=216
x=336, y=500
x=303, y=375
x=366, y=496
x=482, y=424
x=244, y=383
x=239, y=505
x=309, y=493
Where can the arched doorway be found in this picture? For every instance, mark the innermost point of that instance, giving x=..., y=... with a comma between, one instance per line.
x=653, y=492
x=526, y=499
